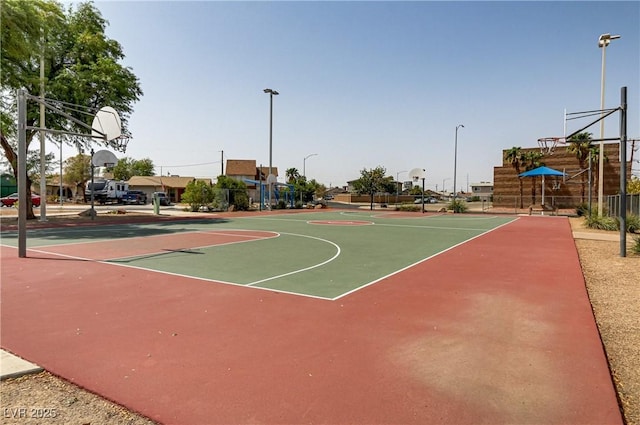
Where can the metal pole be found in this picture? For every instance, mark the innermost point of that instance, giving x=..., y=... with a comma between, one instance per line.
x=43, y=177
x=423, y=195
x=603, y=42
x=455, y=162
x=304, y=164
x=222, y=163
x=22, y=173
x=60, y=194
x=397, y=187
x=623, y=172
x=93, y=189
x=601, y=153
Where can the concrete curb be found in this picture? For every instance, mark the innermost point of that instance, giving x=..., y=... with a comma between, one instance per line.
x=12, y=366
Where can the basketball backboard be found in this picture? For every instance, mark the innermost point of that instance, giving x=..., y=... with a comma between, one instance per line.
x=104, y=158
x=107, y=123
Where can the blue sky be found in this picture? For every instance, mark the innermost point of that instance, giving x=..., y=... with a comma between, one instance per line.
x=367, y=84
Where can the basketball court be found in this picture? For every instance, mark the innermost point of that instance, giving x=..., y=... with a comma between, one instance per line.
x=315, y=317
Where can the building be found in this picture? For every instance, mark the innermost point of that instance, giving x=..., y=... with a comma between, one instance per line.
x=173, y=186
x=482, y=190
x=245, y=170
x=568, y=192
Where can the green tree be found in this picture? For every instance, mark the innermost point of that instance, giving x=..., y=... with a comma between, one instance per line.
x=238, y=196
x=81, y=68
x=532, y=160
x=370, y=182
x=581, y=146
x=633, y=185
x=516, y=157
x=129, y=167
x=292, y=175
x=77, y=171
x=197, y=194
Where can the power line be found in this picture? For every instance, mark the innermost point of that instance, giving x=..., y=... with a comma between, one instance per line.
x=191, y=165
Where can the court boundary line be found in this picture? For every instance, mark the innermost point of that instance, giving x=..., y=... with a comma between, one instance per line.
x=420, y=261
x=202, y=279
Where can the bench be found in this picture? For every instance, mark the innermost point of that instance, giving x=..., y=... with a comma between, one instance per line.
x=543, y=208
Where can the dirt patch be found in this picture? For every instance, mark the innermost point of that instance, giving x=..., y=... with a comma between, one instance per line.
x=611, y=282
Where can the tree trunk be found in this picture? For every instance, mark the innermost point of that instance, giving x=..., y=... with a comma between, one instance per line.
x=533, y=190
x=521, y=193
x=12, y=157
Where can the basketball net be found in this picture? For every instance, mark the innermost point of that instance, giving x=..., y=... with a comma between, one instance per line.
x=121, y=143
x=548, y=144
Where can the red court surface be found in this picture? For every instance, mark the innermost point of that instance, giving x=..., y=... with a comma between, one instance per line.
x=496, y=331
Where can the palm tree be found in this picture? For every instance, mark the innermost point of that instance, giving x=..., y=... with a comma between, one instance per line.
x=292, y=175
x=532, y=159
x=581, y=145
x=516, y=158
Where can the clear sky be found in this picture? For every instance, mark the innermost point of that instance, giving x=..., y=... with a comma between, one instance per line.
x=367, y=84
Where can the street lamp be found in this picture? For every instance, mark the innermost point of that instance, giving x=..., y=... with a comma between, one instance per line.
x=444, y=180
x=271, y=94
x=455, y=162
x=304, y=164
x=603, y=42
x=397, y=187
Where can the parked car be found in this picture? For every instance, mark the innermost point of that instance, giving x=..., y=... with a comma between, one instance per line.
x=163, y=199
x=428, y=200
x=9, y=201
x=135, y=197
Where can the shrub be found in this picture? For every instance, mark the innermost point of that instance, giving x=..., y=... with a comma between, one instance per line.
x=635, y=248
x=409, y=207
x=595, y=221
x=633, y=223
x=457, y=206
x=241, y=201
x=582, y=210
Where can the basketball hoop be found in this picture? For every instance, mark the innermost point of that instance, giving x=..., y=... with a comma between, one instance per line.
x=120, y=143
x=548, y=144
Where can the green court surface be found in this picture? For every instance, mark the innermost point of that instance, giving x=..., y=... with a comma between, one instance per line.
x=319, y=254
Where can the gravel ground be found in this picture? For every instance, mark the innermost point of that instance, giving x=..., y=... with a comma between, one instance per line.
x=612, y=283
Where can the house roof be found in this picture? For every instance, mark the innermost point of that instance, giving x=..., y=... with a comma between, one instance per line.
x=170, y=181
x=265, y=171
x=241, y=167
x=247, y=167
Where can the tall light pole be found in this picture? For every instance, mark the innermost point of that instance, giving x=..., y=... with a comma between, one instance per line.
x=397, y=187
x=455, y=162
x=603, y=42
x=443, y=180
x=271, y=94
x=304, y=164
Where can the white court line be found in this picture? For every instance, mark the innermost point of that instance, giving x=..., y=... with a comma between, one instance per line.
x=108, y=238
x=417, y=262
x=186, y=276
x=151, y=254
x=306, y=268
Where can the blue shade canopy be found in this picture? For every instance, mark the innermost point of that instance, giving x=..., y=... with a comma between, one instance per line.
x=541, y=171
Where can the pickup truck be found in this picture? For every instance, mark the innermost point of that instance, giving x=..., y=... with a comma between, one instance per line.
x=134, y=197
